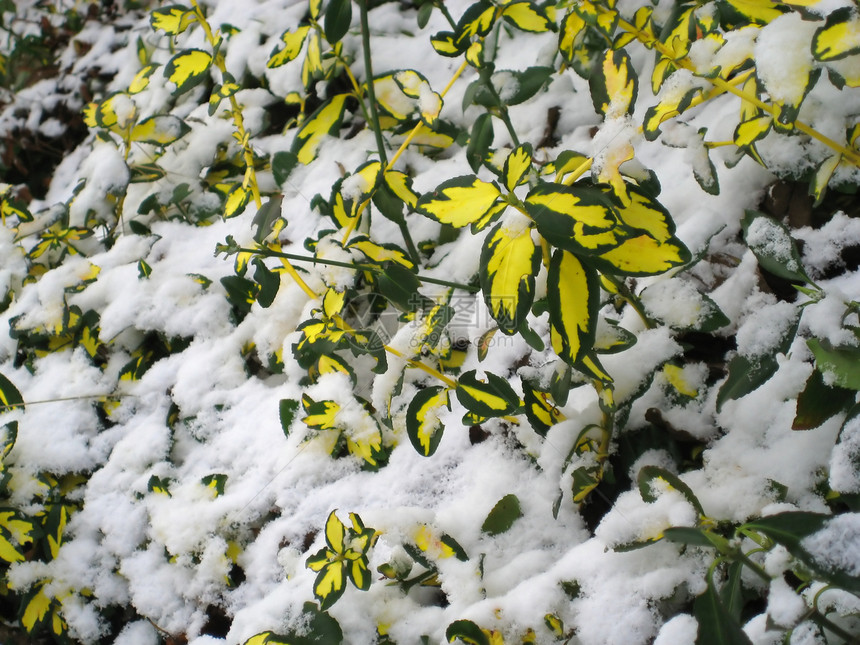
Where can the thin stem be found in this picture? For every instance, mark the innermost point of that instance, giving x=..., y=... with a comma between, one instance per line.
x=354, y=266
x=368, y=72
x=244, y=139
x=422, y=366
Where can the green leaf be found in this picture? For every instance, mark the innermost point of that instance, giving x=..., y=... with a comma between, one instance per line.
x=466, y=631
x=323, y=122
x=423, y=425
x=502, y=517
x=216, y=482
x=687, y=535
x=143, y=270
x=773, y=247
x=144, y=173
x=510, y=260
x=286, y=413
x=161, y=130
x=480, y=141
x=747, y=373
x=241, y=292
x=819, y=401
x=717, y=626
x=790, y=529
x=269, y=282
x=731, y=595
x=338, y=15
x=188, y=68
x=649, y=473
x=400, y=287
x=10, y=397
x=283, y=164
x=584, y=481
x=8, y=436
x=267, y=217
x=573, y=294
x=839, y=37
x=841, y=365
x=515, y=86
x=493, y=398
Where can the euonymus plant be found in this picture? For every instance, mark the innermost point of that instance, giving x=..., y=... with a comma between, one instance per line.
x=564, y=235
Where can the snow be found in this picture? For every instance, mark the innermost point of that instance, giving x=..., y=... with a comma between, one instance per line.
x=210, y=409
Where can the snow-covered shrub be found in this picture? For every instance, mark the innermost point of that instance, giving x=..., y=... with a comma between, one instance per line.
x=559, y=328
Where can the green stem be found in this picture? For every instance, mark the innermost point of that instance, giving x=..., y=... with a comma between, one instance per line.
x=354, y=266
x=441, y=6
x=368, y=72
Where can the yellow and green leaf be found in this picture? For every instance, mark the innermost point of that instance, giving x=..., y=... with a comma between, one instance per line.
x=540, y=410
x=161, y=130
x=423, y=425
x=492, y=398
x=173, y=19
x=527, y=16
x=573, y=295
x=237, y=200
x=334, y=533
x=510, y=260
x=325, y=121
x=141, y=79
x=517, y=165
x=320, y=415
x=293, y=42
x=10, y=397
x=460, y=201
x=643, y=255
x=757, y=11
x=614, y=84
x=571, y=27
x=576, y=218
x=36, y=608
x=380, y=253
x=839, y=37
x=188, y=68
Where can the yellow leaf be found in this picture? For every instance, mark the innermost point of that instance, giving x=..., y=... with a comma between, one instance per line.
x=401, y=185
x=526, y=17
x=326, y=416
x=334, y=533
x=427, y=422
x=571, y=26
x=644, y=255
x=760, y=11
x=173, y=20
x=751, y=131
x=187, y=68
x=460, y=201
x=330, y=581
x=677, y=378
x=141, y=79
x=380, y=254
x=36, y=609
x=325, y=121
x=8, y=551
x=236, y=201
x=838, y=38
x=572, y=294
x=517, y=164
x=160, y=129
x=293, y=41
x=509, y=262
